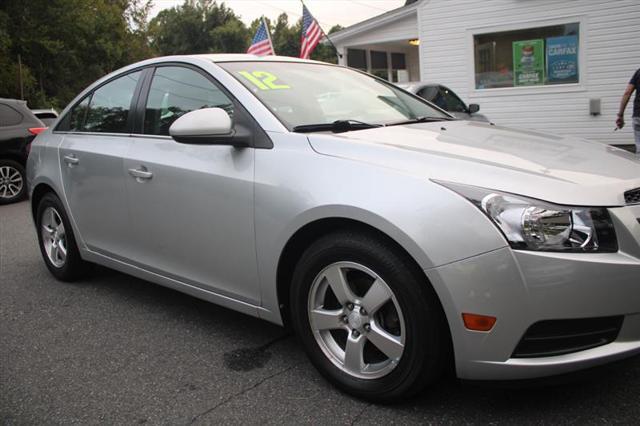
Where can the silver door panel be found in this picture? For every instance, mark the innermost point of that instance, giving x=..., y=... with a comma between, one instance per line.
x=93, y=181
x=193, y=217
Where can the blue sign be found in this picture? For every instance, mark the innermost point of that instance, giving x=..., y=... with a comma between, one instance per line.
x=562, y=59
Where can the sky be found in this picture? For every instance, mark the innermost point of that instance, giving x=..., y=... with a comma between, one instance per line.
x=327, y=12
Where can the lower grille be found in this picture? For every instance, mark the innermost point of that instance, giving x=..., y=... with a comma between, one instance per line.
x=558, y=337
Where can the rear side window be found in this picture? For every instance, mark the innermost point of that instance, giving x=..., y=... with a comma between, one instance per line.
x=42, y=115
x=9, y=116
x=78, y=115
x=175, y=91
x=110, y=104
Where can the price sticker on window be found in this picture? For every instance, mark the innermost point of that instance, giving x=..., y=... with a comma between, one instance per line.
x=263, y=80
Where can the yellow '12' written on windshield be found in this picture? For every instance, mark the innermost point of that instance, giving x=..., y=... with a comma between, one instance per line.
x=263, y=80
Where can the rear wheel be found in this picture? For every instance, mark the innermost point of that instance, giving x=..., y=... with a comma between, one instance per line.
x=56, y=240
x=12, y=181
x=367, y=320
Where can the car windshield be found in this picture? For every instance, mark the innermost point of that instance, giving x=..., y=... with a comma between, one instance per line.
x=303, y=94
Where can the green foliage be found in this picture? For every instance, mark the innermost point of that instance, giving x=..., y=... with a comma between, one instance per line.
x=198, y=26
x=65, y=45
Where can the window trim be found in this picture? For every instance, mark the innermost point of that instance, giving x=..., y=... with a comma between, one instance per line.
x=90, y=93
x=527, y=90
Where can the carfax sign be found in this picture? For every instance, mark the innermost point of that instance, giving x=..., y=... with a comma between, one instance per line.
x=528, y=62
x=562, y=59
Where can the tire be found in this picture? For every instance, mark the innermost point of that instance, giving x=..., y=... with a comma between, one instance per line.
x=418, y=334
x=56, y=235
x=13, y=182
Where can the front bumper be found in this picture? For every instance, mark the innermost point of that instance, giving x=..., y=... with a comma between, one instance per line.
x=521, y=288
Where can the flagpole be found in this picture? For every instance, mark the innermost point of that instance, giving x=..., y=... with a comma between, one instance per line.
x=266, y=26
x=338, y=54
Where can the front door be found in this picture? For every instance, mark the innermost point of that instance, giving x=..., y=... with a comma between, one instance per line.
x=91, y=164
x=191, y=205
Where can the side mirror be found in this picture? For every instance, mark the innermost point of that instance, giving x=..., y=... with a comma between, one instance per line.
x=208, y=126
x=473, y=108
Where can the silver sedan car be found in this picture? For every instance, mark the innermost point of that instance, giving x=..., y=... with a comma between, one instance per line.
x=393, y=239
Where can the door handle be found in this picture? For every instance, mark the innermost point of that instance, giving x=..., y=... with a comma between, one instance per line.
x=141, y=174
x=71, y=159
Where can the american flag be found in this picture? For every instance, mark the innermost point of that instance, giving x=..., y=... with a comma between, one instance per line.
x=311, y=34
x=261, y=43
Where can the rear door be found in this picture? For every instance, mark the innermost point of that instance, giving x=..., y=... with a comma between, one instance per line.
x=192, y=209
x=91, y=161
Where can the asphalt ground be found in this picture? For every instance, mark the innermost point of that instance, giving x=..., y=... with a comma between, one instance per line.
x=118, y=350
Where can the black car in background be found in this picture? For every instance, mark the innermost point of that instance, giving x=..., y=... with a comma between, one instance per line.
x=18, y=127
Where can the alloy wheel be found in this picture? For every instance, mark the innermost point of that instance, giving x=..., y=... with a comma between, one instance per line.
x=54, y=237
x=11, y=182
x=356, y=320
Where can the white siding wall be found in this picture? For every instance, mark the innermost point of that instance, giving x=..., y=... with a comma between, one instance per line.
x=610, y=34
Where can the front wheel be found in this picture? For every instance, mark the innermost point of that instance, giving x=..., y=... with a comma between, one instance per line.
x=367, y=320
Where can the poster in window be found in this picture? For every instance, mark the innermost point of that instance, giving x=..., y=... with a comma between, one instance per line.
x=562, y=59
x=528, y=62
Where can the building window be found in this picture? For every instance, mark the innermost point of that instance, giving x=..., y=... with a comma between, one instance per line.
x=379, y=64
x=399, y=71
x=529, y=57
x=357, y=58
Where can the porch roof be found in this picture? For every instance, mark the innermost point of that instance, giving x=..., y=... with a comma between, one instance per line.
x=371, y=24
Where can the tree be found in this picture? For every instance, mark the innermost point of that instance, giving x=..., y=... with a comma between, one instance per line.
x=67, y=44
x=198, y=26
x=325, y=51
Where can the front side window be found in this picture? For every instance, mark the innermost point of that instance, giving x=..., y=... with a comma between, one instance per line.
x=529, y=57
x=451, y=100
x=175, y=91
x=110, y=104
x=304, y=93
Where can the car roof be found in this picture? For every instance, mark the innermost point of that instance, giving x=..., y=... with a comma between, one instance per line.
x=418, y=83
x=239, y=57
x=13, y=101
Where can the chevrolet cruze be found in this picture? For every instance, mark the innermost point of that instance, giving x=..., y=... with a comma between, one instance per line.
x=395, y=240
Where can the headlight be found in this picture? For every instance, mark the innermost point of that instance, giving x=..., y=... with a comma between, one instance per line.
x=530, y=224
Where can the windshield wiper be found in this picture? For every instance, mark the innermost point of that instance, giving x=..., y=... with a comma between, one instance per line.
x=337, y=126
x=423, y=119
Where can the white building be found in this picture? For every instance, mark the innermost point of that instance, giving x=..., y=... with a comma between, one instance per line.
x=552, y=65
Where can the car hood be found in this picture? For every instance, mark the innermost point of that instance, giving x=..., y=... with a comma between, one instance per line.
x=557, y=169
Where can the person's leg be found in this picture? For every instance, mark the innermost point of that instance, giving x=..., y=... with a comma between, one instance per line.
x=636, y=132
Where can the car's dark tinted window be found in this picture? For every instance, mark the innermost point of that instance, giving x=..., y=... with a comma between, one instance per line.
x=429, y=93
x=42, y=115
x=9, y=116
x=175, y=91
x=110, y=104
x=452, y=101
x=443, y=97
